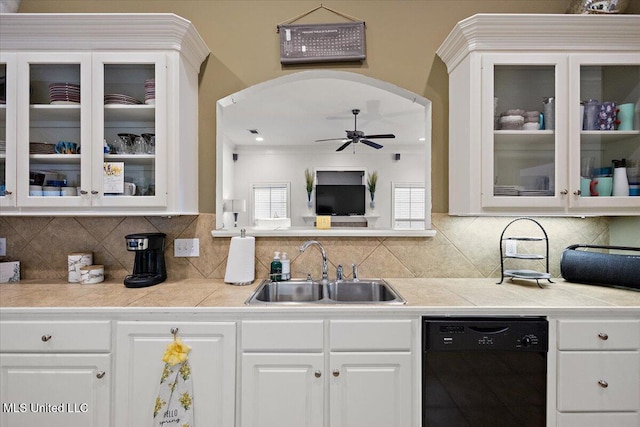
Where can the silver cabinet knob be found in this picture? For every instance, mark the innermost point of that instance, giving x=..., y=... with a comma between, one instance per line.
x=94, y=192
x=8, y=192
x=603, y=336
x=564, y=192
x=100, y=375
x=603, y=384
x=577, y=192
x=336, y=373
x=174, y=331
x=45, y=338
x=84, y=192
x=317, y=374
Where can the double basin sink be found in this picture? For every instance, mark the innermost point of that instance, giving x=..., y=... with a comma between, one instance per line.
x=366, y=291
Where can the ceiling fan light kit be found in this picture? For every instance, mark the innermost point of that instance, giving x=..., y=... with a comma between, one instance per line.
x=355, y=136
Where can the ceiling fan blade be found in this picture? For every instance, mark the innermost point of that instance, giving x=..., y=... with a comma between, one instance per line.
x=331, y=139
x=371, y=144
x=343, y=146
x=384, y=135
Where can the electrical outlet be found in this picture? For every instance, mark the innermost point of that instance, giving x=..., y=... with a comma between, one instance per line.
x=3, y=246
x=512, y=247
x=186, y=247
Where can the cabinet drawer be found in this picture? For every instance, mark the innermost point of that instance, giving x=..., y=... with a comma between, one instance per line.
x=598, y=381
x=598, y=335
x=599, y=420
x=370, y=335
x=19, y=336
x=285, y=335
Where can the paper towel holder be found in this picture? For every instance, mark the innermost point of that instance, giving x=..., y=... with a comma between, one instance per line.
x=235, y=206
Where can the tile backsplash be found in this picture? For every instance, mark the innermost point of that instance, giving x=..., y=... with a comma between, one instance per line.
x=462, y=247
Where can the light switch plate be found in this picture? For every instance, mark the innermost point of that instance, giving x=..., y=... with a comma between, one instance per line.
x=3, y=246
x=186, y=248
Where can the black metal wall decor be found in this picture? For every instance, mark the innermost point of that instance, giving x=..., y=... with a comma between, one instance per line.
x=307, y=43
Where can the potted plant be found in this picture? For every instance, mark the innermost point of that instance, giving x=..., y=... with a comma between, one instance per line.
x=308, y=178
x=372, y=180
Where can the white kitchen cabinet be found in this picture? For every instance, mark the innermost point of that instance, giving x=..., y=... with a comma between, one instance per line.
x=498, y=63
x=370, y=389
x=55, y=373
x=140, y=347
x=8, y=70
x=162, y=56
x=282, y=389
x=361, y=376
x=598, y=372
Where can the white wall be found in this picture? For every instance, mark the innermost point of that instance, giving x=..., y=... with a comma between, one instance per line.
x=280, y=164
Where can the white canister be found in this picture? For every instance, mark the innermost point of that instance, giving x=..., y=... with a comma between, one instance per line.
x=91, y=274
x=75, y=261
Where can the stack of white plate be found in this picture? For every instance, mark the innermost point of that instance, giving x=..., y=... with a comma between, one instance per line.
x=117, y=98
x=150, y=91
x=64, y=93
x=530, y=193
x=505, y=190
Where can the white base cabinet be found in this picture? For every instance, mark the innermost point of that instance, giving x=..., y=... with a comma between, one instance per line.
x=55, y=374
x=140, y=347
x=292, y=376
x=598, y=373
x=370, y=389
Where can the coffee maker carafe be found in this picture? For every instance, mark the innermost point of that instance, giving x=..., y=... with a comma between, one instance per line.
x=149, y=267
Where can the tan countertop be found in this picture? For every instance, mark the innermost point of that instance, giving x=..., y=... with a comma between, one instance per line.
x=419, y=293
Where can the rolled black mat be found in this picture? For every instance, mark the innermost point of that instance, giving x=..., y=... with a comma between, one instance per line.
x=604, y=269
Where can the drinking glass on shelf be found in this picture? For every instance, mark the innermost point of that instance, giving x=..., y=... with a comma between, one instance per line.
x=139, y=145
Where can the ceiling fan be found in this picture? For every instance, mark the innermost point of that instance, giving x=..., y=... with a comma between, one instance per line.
x=354, y=136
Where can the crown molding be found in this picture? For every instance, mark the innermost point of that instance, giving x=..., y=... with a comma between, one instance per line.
x=98, y=31
x=540, y=33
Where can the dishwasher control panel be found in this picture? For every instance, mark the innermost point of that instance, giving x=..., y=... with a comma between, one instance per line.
x=485, y=333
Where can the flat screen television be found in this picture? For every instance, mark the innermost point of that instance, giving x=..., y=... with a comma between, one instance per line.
x=340, y=200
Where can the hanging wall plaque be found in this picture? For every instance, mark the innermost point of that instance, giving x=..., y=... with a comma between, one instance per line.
x=322, y=42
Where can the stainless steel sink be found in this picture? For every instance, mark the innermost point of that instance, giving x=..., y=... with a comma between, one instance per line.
x=299, y=291
x=361, y=291
x=288, y=291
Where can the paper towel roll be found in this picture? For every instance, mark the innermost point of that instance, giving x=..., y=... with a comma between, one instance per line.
x=241, y=261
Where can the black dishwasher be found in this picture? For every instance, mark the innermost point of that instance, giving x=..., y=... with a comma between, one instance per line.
x=484, y=371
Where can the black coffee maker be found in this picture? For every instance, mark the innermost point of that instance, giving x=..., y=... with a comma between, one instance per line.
x=148, y=268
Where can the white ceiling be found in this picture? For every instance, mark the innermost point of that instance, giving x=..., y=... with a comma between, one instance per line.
x=299, y=108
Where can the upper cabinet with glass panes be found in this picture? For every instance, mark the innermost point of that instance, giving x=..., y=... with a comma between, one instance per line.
x=96, y=130
x=543, y=115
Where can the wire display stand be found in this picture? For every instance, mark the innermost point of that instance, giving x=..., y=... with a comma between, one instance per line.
x=524, y=274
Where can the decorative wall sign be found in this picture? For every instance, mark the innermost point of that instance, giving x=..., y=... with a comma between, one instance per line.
x=322, y=43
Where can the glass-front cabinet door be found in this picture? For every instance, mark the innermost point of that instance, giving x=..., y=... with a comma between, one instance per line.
x=605, y=133
x=54, y=139
x=130, y=97
x=523, y=132
x=8, y=189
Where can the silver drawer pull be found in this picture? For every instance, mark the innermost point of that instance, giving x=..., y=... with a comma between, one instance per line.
x=100, y=375
x=174, y=331
x=603, y=336
x=336, y=373
x=603, y=384
x=45, y=338
x=318, y=374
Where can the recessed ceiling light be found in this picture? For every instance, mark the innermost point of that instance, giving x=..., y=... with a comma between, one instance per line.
x=422, y=139
x=259, y=138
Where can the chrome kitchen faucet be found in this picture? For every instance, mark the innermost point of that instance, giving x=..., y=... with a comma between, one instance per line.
x=305, y=245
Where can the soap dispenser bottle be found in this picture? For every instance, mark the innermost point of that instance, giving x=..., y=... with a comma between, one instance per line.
x=276, y=268
x=620, y=181
x=286, y=267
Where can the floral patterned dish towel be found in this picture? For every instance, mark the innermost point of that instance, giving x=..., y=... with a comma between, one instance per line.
x=174, y=404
